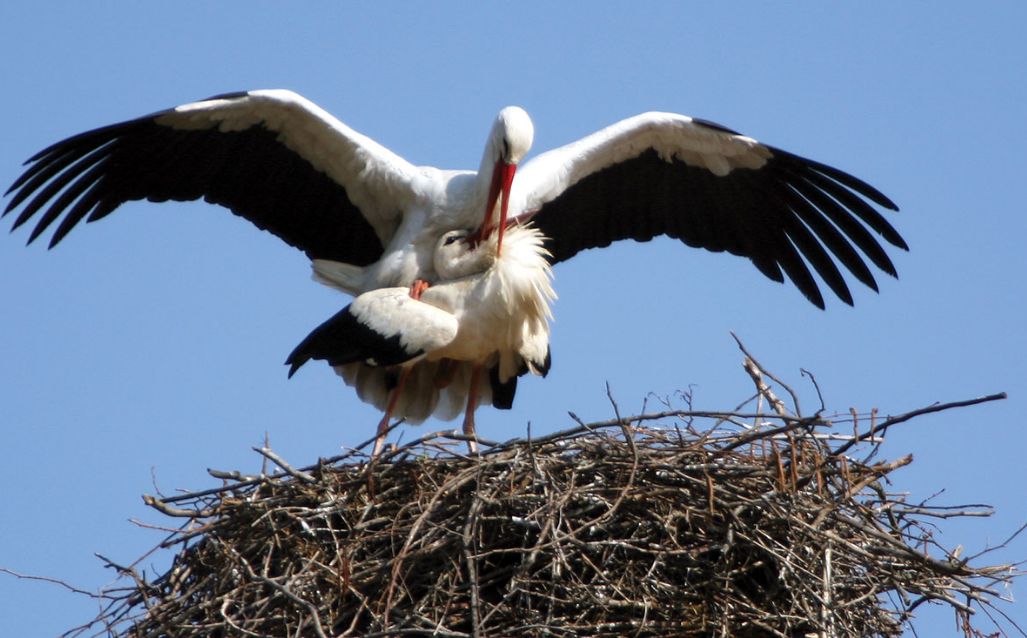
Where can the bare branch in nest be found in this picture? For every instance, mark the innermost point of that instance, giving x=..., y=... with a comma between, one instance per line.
x=749, y=357
x=760, y=525
x=881, y=428
x=762, y=388
x=288, y=469
x=47, y=579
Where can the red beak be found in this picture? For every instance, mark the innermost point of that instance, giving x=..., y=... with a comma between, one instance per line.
x=502, y=178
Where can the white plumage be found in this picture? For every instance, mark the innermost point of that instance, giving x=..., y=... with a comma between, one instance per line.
x=488, y=310
x=450, y=270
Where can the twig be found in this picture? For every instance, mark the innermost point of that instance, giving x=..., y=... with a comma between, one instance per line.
x=56, y=581
x=795, y=397
x=629, y=438
x=938, y=407
x=816, y=386
x=162, y=507
x=277, y=460
x=470, y=527
x=762, y=388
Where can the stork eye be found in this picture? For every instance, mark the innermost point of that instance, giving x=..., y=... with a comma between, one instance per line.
x=451, y=239
x=506, y=148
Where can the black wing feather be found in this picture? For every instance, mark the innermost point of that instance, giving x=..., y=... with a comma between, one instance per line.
x=788, y=215
x=345, y=339
x=249, y=171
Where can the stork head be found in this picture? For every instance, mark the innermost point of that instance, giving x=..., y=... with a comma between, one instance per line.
x=508, y=143
x=512, y=134
x=455, y=257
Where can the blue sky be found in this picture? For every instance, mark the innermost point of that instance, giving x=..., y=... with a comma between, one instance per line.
x=148, y=347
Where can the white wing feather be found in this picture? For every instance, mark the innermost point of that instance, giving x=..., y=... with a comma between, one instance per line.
x=544, y=177
x=379, y=182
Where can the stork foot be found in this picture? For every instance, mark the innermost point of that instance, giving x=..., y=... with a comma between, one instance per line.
x=472, y=445
x=418, y=287
x=383, y=430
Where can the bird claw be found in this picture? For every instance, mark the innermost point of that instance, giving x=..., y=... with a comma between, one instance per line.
x=418, y=287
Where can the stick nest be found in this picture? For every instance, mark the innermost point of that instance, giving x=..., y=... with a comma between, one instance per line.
x=751, y=525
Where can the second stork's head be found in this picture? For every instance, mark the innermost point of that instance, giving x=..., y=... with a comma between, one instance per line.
x=456, y=257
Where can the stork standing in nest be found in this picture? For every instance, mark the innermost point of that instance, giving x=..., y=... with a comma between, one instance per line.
x=489, y=310
x=450, y=269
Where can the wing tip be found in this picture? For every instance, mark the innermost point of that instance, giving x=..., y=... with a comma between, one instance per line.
x=294, y=364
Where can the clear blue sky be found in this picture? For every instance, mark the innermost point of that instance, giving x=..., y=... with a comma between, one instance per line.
x=149, y=346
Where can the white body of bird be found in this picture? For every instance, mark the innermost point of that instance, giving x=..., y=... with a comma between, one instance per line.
x=488, y=309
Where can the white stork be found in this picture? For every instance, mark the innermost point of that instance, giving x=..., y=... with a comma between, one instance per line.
x=440, y=295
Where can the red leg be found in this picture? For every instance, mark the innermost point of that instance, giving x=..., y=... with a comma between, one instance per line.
x=472, y=404
x=383, y=425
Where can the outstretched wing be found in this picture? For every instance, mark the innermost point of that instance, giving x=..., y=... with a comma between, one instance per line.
x=272, y=157
x=666, y=174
